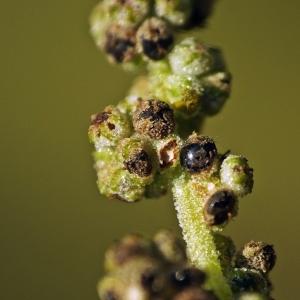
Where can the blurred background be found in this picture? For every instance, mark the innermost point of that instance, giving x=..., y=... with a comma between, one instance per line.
x=54, y=226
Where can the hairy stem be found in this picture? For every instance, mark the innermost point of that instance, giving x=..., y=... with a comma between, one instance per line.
x=198, y=236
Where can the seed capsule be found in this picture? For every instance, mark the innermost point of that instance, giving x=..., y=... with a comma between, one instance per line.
x=120, y=44
x=220, y=207
x=259, y=256
x=154, y=38
x=139, y=163
x=198, y=154
x=154, y=118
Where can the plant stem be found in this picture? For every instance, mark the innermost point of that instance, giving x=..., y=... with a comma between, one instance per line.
x=201, y=247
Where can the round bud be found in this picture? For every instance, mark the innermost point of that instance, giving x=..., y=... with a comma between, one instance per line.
x=195, y=294
x=259, y=256
x=139, y=163
x=220, y=208
x=129, y=247
x=154, y=38
x=177, y=12
x=108, y=127
x=184, y=277
x=125, y=12
x=216, y=90
x=170, y=246
x=236, y=174
x=191, y=58
x=120, y=44
x=198, y=153
x=154, y=118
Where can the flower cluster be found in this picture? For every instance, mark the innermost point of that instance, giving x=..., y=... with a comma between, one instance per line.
x=149, y=144
x=138, y=154
x=130, y=31
x=158, y=269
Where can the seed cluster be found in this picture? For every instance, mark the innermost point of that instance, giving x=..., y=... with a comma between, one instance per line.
x=151, y=269
x=158, y=268
x=144, y=145
x=128, y=30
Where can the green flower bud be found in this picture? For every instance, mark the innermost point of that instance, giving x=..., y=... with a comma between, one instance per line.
x=237, y=175
x=191, y=58
x=193, y=79
x=154, y=38
x=170, y=246
x=108, y=127
x=126, y=13
x=216, y=90
x=129, y=247
x=177, y=12
x=257, y=255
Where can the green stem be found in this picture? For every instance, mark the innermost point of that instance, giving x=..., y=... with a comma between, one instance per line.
x=201, y=247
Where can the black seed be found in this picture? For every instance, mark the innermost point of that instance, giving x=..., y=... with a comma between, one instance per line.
x=199, y=155
x=139, y=164
x=220, y=207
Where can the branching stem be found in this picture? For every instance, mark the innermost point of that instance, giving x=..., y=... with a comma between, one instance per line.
x=198, y=236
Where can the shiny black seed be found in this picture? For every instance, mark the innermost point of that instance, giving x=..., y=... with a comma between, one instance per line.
x=198, y=156
x=187, y=277
x=220, y=207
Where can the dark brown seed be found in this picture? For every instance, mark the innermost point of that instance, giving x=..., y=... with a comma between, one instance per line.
x=154, y=38
x=120, y=43
x=220, y=207
x=198, y=154
x=139, y=164
x=154, y=118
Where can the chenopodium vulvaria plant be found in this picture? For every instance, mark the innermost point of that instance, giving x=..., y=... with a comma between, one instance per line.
x=150, y=143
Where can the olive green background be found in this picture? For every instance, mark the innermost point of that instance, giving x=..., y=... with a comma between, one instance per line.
x=54, y=226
